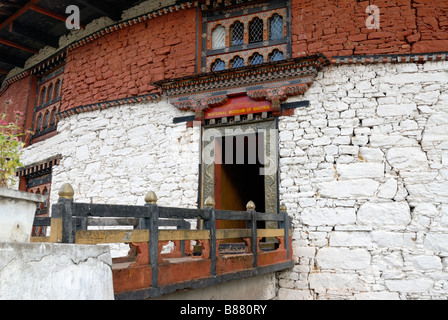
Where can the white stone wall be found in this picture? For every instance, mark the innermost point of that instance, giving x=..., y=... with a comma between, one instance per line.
x=117, y=155
x=364, y=175
x=54, y=271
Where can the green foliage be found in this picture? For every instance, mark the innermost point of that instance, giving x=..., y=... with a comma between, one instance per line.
x=10, y=148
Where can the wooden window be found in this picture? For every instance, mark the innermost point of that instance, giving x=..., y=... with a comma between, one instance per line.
x=243, y=30
x=256, y=30
x=47, y=105
x=237, y=34
x=256, y=58
x=219, y=37
x=275, y=27
x=218, y=65
x=237, y=62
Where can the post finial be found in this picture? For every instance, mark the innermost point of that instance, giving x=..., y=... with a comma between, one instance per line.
x=209, y=202
x=66, y=191
x=283, y=208
x=151, y=198
x=250, y=205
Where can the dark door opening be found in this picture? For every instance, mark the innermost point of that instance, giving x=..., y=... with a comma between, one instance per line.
x=238, y=160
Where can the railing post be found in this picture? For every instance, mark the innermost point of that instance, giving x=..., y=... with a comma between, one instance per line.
x=210, y=224
x=151, y=202
x=65, y=212
x=253, y=228
x=285, y=224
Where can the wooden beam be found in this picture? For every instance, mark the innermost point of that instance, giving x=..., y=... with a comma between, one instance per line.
x=50, y=14
x=27, y=32
x=102, y=9
x=18, y=13
x=2, y=71
x=17, y=46
x=13, y=60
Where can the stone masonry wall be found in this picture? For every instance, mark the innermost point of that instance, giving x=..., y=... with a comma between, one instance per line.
x=364, y=175
x=339, y=27
x=118, y=155
x=125, y=63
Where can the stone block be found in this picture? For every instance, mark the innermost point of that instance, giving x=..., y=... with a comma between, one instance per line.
x=390, y=110
x=395, y=214
x=343, y=258
x=360, y=170
x=407, y=158
x=55, y=272
x=360, y=188
x=337, y=281
x=328, y=216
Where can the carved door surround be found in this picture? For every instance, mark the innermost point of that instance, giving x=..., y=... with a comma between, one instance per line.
x=273, y=82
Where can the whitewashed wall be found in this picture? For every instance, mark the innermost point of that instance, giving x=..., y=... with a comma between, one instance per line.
x=117, y=155
x=364, y=174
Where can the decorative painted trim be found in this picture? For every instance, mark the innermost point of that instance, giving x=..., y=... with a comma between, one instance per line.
x=130, y=22
x=107, y=104
x=39, y=69
x=273, y=81
x=390, y=58
x=98, y=34
x=39, y=168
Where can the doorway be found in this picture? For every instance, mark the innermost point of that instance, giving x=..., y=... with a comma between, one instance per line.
x=239, y=160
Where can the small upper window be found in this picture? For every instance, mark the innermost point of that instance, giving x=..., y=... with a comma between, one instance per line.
x=237, y=33
x=218, y=65
x=50, y=93
x=275, y=27
x=256, y=29
x=256, y=58
x=219, y=37
x=276, y=55
x=237, y=62
x=43, y=95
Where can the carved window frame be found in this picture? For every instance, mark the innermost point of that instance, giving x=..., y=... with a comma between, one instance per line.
x=48, y=101
x=245, y=14
x=271, y=181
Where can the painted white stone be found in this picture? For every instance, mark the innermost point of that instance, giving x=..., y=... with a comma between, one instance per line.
x=389, y=189
x=343, y=258
x=55, y=272
x=384, y=214
x=360, y=188
x=360, y=170
x=411, y=285
x=390, y=110
x=412, y=159
x=328, y=216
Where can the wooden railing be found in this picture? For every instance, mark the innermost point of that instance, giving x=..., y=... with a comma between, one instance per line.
x=147, y=230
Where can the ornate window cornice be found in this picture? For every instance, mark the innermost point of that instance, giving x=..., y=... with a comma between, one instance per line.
x=274, y=81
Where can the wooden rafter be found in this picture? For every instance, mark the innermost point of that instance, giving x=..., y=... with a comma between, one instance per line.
x=49, y=13
x=27, y=32
x=18, y=46
x=105, y=10
x=18, y=13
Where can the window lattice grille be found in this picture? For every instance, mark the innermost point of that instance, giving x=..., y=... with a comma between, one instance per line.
x=256, y=30
x=218, y=38
x=276, y=55
x=237, y=34
x=218, y=65
x=237, y=62
x=256, y=58
x=275, y=27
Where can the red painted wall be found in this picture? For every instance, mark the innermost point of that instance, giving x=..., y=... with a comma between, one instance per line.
x=18, y=93
x=124, y=63
x=338, y=27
